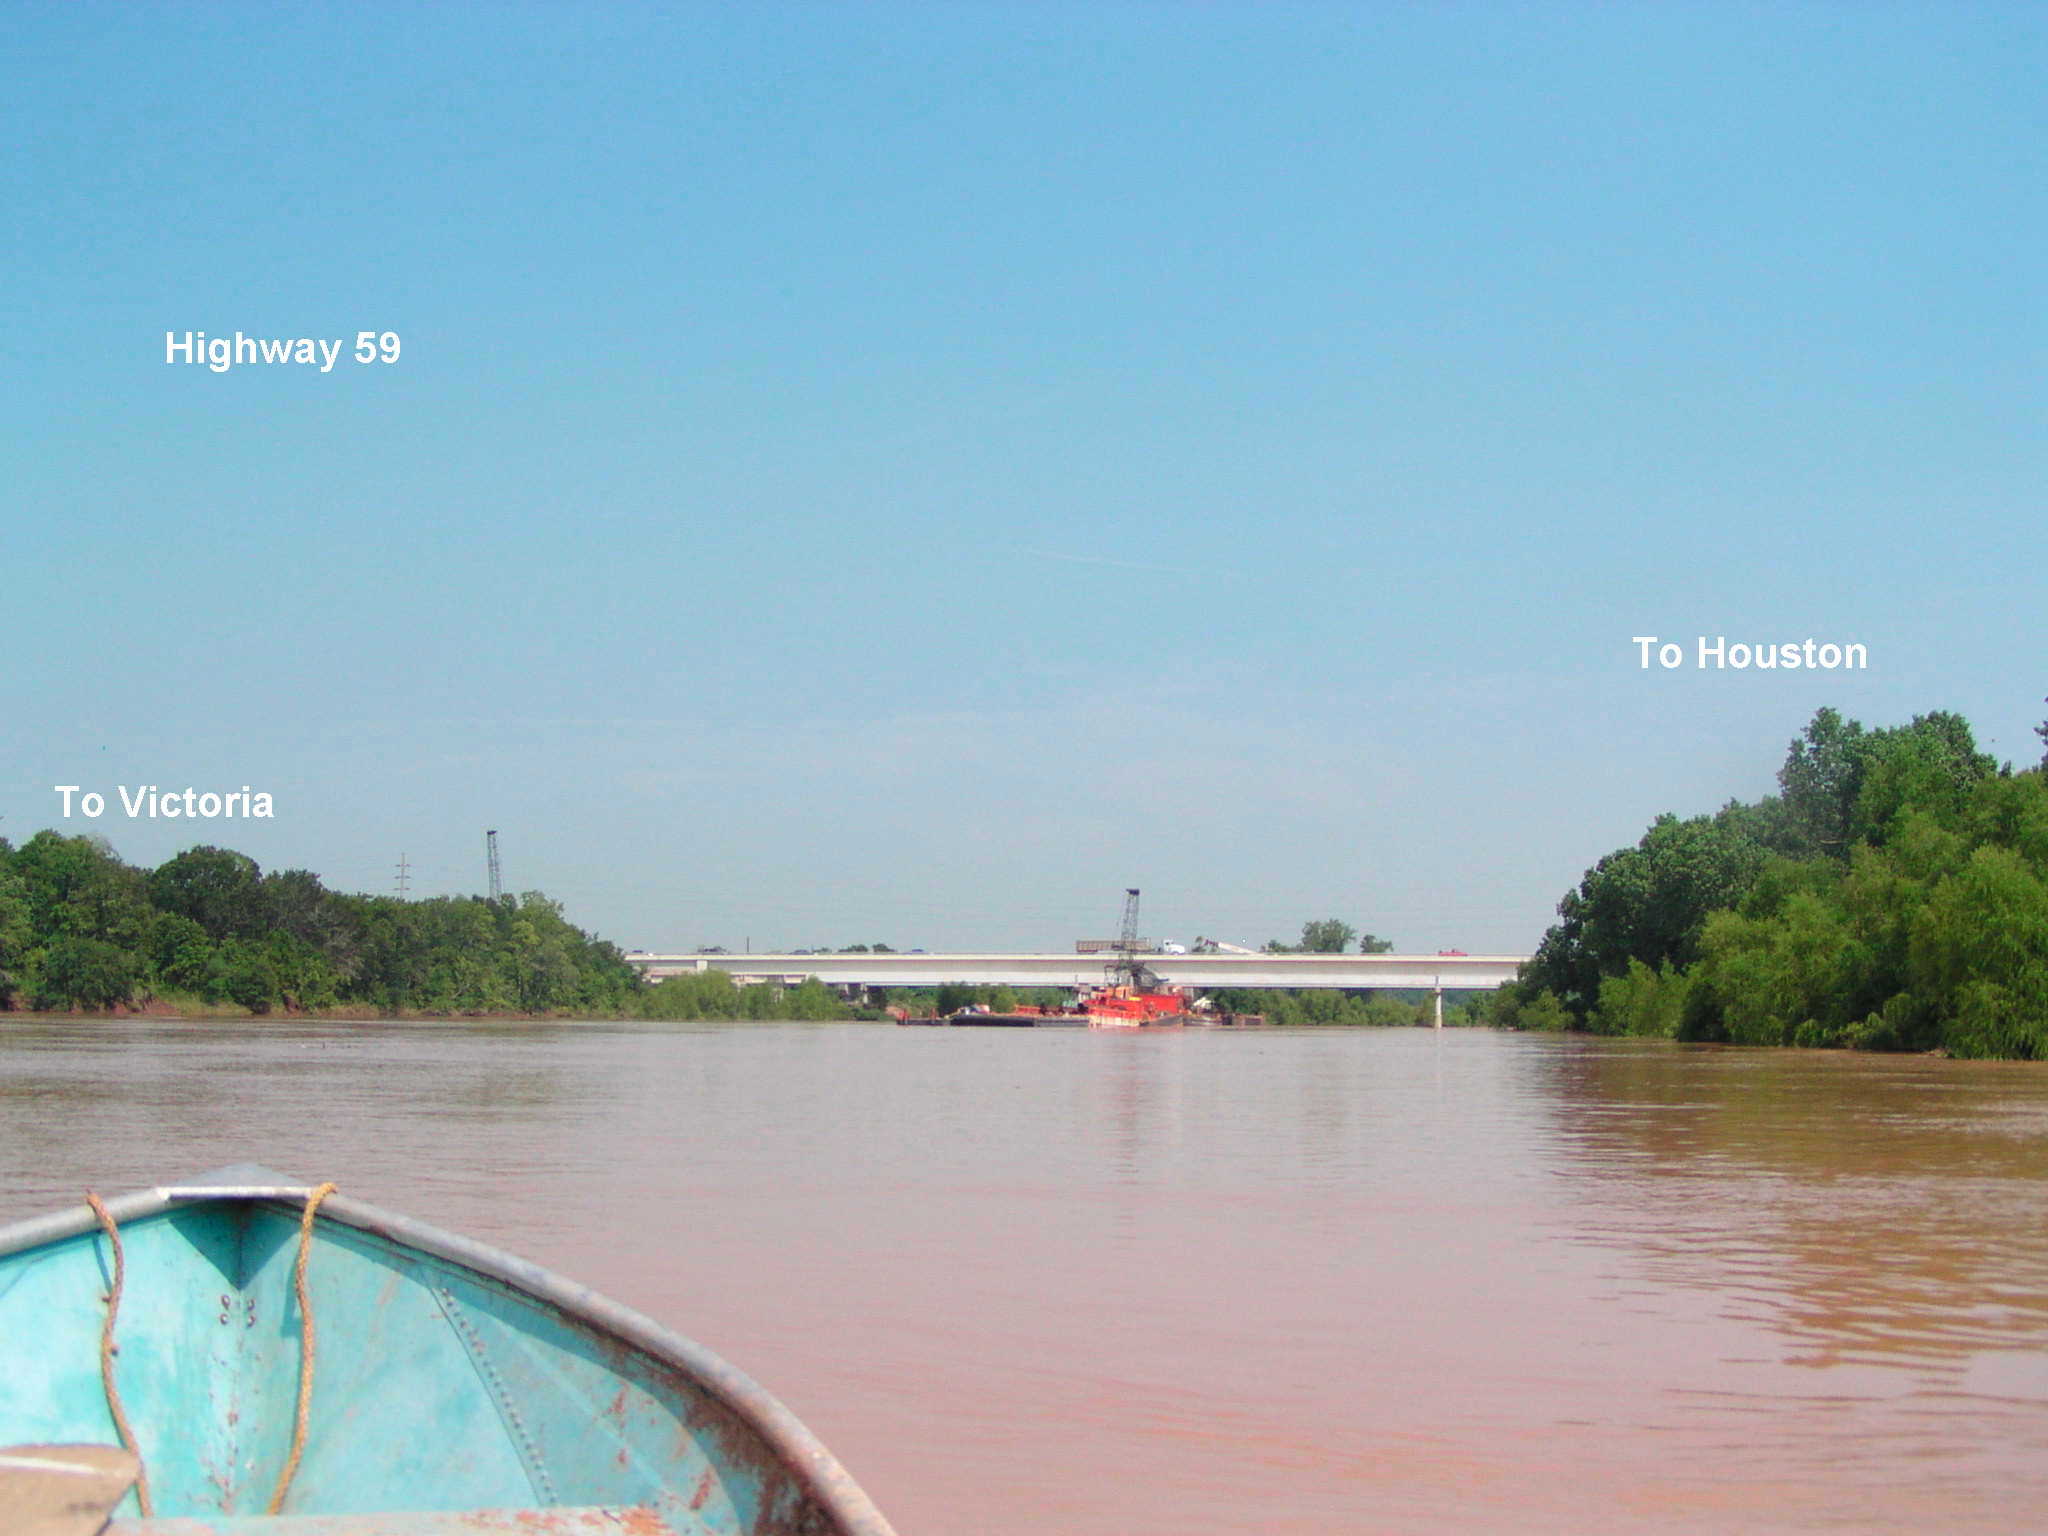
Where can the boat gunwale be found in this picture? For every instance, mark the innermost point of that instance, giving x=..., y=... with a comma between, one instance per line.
x=793, y=1445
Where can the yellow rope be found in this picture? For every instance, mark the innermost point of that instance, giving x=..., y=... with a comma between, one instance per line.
x=107, y=1347
x=291, y=1465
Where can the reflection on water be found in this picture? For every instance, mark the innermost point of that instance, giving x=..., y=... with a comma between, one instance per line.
x=1233, y=1282
x=1877, y=1211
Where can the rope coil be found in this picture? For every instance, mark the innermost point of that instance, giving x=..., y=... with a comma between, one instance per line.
x=299, y=1416
x=108, y=1348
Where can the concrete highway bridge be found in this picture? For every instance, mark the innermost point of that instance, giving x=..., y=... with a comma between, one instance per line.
x=1202, y=972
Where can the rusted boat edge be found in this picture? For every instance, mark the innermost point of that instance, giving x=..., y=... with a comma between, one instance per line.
x=799, y=1450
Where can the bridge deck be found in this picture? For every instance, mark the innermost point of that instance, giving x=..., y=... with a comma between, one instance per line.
x=1202, y=972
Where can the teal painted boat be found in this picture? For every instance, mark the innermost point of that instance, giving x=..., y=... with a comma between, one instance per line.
x=425, y=1385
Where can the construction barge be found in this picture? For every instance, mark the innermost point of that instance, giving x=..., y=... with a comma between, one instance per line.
x=1134, y=997
x=1111, y=1007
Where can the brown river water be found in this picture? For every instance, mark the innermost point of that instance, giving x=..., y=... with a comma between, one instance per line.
x=1237, y=1282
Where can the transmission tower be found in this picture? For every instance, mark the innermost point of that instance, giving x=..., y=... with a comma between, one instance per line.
x=491, y=846
x=404, y=876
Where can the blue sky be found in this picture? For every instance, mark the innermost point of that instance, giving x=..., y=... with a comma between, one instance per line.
x=907, y=473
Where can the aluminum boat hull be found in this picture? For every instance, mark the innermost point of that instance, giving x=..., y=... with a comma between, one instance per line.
x=454, y=1386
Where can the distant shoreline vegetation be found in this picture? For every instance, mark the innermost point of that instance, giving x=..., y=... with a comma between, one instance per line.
x=208, y=935
x=208, y=930
x=1893, y=895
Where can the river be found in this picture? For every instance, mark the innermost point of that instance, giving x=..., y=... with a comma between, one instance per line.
x=1117, y=1284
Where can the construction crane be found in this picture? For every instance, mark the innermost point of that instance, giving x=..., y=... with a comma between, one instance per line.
x=1129, y=970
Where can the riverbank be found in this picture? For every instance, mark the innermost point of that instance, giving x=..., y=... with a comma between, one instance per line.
x=763, y=1006
x=194, y=1011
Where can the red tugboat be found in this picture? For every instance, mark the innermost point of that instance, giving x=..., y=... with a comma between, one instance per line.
x=1127, y=1006
x=1111, y=1007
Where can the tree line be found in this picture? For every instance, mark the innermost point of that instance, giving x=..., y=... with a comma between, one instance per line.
x=1329, y=936
x=79, y=928
x=82, y=929
x=1893, y=895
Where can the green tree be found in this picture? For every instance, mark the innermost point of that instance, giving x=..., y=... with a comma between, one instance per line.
x=78, y=972
x=16, y=932
x=1841, y=784
x=1929, y=767
x=1979, y=955
x=181, y=956
x=1789, y=979
x=1642, y=1001
x=1819, y=782
x=245, y=974
x=1646, y=903
x=295, y=902
x=305, y=979
x=1893, y=896
x=217, y=888
x=77, y=887
x=1326, y=936
x=1522, y=1006
x=812, y=999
